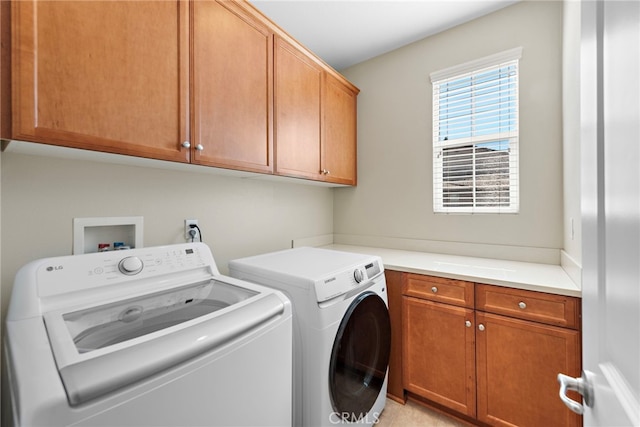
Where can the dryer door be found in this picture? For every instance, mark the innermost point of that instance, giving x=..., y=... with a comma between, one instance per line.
x=360, y=357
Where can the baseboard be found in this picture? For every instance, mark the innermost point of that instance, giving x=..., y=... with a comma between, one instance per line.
x=479, y=250
x=572, y=268
x=322, y=240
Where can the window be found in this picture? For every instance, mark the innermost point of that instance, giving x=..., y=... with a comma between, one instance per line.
x=475, y=136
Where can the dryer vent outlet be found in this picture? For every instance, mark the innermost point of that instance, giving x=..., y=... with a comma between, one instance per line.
x=191, y=234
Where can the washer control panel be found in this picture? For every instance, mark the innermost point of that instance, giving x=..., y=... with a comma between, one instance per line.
x=344, y=281
x=81, y=272
x=130, y=265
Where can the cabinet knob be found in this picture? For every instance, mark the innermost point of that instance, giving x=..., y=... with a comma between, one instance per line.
x=467, y=323
x=522, y=305
x=186, y=144
x=434, y=290
x=481, y=327
x=325, y=172
x=199, y=147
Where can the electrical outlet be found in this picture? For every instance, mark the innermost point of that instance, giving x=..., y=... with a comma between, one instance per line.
x=573, y=231
x=191, y=234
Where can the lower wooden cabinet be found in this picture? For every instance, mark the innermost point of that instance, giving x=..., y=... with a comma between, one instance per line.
x=517, y=365
x=439, y=353
x=394, y=281
x=461, y=351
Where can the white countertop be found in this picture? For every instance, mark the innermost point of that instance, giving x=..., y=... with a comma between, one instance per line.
x=514, y=274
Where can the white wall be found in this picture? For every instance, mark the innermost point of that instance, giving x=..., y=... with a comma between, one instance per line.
x=394, y=143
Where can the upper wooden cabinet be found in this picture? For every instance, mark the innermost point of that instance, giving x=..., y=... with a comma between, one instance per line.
x=339, y=138
x=298, y=86
x=211, y=82
x=107, y=76
x=232, y=87
x=315, y=119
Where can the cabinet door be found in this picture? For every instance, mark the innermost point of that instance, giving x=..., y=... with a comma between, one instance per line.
x=102, y=75
x=439, y=353
x=298, y=84
x=339, y=140
x=232, y=87
x=5, y=70
x=518, y=362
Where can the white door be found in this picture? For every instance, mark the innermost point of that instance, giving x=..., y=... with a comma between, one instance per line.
x=610, y=141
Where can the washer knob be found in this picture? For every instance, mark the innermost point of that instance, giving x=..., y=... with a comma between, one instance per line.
x=357, y=274
x=130, y=265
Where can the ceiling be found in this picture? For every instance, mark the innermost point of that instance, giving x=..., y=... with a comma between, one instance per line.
x=346, y=32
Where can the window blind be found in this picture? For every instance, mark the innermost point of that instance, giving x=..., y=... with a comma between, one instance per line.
x=475, y=136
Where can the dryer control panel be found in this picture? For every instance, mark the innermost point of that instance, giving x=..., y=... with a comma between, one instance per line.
x=347, y=280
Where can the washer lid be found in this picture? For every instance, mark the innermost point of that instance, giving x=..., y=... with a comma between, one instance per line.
x=98, y=327
x=102, y=348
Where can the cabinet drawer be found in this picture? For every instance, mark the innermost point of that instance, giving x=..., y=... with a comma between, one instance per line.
x=449, y=291
x=529, y=305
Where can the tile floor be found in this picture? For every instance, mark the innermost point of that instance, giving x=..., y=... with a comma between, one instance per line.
x=413, y=415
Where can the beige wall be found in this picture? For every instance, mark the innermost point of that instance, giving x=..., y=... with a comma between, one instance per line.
x=394, y=137
x=572, y=259
x=238, y=217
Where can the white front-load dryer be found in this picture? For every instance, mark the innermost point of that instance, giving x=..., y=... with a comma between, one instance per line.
x=342, y=333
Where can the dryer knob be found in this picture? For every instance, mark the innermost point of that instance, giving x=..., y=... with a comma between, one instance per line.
x=357, y=274
x=130, y=265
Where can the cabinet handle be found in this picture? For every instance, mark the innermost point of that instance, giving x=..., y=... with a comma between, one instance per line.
x=186, y=144
x=434, y=290
x=467, y=324
x=325, y=172
x=522, y=305
x=199, y=147
x=481, y=327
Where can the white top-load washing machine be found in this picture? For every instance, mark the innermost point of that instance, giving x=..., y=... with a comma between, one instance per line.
x=342, y=333
x=153, y=336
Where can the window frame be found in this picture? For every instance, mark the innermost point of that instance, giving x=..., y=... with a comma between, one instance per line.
x=470, y=69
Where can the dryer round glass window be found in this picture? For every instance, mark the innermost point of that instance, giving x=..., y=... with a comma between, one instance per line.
x=360, y=357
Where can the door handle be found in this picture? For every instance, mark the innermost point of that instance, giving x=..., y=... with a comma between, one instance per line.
x=580, y=385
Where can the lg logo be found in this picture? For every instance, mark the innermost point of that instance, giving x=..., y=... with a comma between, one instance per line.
x=54, y=268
